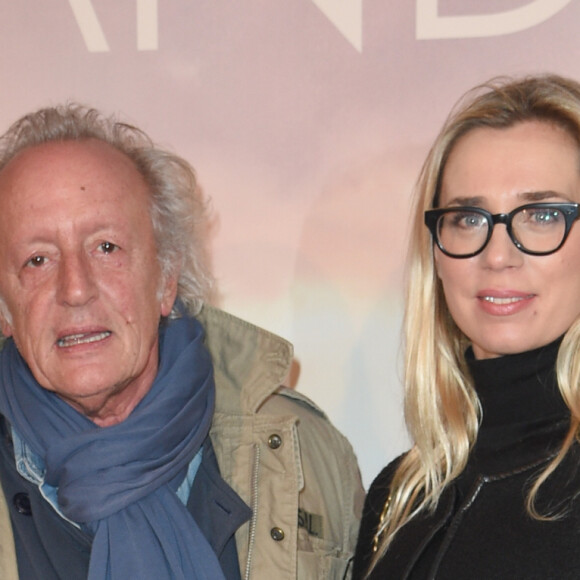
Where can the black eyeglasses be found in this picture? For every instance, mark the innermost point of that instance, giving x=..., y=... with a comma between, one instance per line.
x=535, y=228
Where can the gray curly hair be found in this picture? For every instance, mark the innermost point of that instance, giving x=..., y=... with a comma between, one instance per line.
x=179, y=213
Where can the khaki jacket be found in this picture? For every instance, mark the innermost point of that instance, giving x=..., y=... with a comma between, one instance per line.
x=280, y=453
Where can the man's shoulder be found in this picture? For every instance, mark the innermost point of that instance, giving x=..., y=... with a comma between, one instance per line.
x=249, y=362
x=286, y=399
x=317, y=435
x=222, y=328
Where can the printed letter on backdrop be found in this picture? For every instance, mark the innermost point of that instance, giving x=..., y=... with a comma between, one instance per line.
x=147, y=25
x=92, y=31
x=430, y=25
x=89, y=25
x=346, y=15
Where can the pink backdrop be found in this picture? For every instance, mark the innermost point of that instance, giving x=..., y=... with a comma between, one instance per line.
x=307, y=121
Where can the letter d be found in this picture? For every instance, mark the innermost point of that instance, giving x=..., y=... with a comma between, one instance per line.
x=430, y=25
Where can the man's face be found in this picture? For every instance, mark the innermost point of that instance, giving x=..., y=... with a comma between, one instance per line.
x=80, y=277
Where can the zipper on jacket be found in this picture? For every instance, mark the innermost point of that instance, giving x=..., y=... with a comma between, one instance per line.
x=254, y=520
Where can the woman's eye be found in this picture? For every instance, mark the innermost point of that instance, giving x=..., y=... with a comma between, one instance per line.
x=108, y=247
x=467, y=220
x=547, y=216
x=473, y=221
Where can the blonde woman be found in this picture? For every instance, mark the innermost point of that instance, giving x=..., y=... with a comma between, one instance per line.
x=491, y=485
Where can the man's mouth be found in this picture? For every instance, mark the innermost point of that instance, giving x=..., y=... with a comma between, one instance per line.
x=82, y=338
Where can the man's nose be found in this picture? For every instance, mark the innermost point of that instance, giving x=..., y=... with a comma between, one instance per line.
x=76, y=284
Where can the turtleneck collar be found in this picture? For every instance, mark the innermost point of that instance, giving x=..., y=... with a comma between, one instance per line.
x=518, y=391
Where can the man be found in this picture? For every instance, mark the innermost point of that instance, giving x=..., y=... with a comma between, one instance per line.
x=145, y=434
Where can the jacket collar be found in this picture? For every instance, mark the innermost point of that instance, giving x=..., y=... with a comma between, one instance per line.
x=249, y=362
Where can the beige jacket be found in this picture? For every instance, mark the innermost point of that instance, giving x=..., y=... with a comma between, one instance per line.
x=280, y=454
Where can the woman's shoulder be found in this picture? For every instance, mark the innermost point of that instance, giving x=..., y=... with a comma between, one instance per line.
x=379, y=489
x=374, y=503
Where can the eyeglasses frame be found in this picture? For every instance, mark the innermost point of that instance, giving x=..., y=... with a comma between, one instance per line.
x=569, y=210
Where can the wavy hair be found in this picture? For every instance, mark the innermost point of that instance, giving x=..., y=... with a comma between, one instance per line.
x=442, y=410
x=179, y=213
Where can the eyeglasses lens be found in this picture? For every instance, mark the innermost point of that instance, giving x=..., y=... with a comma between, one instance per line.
x=462, y=232
x=539, y=229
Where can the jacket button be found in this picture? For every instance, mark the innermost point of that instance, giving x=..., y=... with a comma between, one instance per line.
x=277, y=534
x=274, y=441
x=22, y=504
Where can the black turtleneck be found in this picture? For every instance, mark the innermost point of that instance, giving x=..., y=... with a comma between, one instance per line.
x=517, y=392
x=524, y=421
x=523, y=417
x=520, y=400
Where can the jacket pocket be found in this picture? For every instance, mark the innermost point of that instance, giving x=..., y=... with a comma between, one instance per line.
x=321, y=560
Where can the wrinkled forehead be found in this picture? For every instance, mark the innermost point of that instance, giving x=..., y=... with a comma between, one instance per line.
x=56, y=167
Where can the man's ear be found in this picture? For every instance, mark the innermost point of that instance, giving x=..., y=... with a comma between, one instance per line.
x=5, y=320
x=6, y=328
x=169, y=294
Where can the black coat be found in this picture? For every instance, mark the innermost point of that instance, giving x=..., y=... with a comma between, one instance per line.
x=480, y=528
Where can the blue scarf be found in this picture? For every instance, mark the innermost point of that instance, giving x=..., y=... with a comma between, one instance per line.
x=120, y=481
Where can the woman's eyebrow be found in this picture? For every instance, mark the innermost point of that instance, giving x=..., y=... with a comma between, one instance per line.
x=525, y=196
x=475, y=200
x=541, y=195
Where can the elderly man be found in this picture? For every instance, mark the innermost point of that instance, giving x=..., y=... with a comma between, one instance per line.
x=145, y=435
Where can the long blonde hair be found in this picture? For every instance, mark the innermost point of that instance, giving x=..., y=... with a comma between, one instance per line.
x=442, y=409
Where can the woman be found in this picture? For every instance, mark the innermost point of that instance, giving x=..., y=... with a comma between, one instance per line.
x=492, y=372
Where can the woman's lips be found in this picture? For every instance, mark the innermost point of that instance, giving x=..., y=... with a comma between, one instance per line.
x=498, y=300
x=504, y=302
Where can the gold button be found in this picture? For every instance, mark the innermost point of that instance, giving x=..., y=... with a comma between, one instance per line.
x=277, y=534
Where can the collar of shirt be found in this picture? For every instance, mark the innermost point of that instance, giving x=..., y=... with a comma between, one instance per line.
x=31, y=467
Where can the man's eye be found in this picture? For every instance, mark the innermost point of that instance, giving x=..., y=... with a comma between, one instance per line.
x=108, y=247
x=36, y=261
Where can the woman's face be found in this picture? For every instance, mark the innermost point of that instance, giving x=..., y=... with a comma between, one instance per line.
x=503, y=300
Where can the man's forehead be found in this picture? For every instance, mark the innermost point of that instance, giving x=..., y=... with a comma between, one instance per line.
x=56, y=162
x=71, y=150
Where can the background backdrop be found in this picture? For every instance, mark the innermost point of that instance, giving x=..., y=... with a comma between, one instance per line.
x=307, y=122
